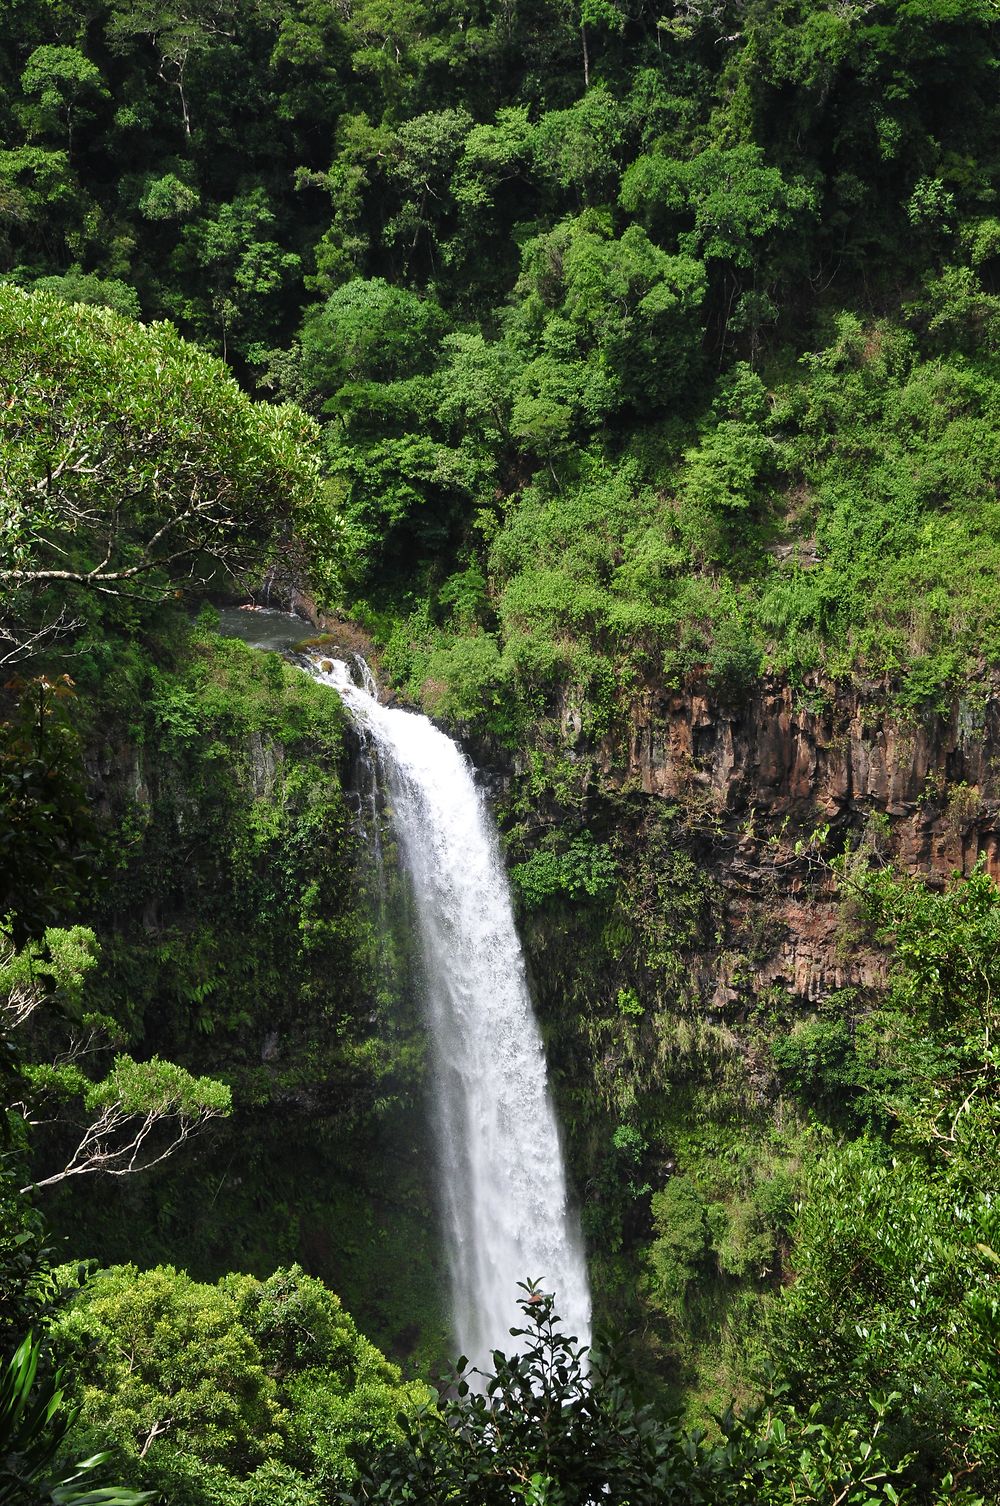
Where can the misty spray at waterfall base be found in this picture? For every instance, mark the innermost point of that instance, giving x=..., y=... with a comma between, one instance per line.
x=503, y=1185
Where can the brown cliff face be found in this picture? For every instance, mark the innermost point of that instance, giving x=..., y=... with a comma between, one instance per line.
x=772, y=769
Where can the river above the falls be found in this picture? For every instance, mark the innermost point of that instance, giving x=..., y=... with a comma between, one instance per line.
x=264, y=627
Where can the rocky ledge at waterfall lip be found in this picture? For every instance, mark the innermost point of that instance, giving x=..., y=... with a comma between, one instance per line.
x=769, y=767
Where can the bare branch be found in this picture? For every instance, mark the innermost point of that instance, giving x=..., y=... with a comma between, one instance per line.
x=14, y=646
x=114, y=1143
x=163, y=1425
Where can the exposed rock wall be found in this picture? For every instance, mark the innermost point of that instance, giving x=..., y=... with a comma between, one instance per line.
x=770, y=769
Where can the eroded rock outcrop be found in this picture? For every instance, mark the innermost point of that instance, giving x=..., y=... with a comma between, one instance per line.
x=771, y=768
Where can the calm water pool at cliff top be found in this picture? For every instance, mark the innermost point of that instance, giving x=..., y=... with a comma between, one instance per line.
x=264, y=629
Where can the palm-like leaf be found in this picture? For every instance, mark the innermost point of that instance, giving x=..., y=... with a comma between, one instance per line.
x=34, y=1422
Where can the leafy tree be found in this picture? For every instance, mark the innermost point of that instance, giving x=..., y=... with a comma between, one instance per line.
x=493, y=169
x=732, y=209
x=77, y=286
x=178, y=32
x=894, y=1296
x=681, y=1243
x=235, y=258
x=578, y=147
x=168, y=198
x=583, y=870
x=41, y=201
x=422, y=158
x=732, y=199
x=64, y=86
x=368, y=331
x=129, y=467
x=134, y=1117
x=217, y=1394
x=142, y=1113
x=613, y=323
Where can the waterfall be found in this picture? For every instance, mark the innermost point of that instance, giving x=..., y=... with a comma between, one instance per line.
x=503, y=1185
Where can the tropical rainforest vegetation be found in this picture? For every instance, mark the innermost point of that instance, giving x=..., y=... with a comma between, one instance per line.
x=575, y=352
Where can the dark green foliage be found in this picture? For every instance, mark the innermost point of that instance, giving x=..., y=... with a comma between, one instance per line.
x=540, y=1429
x=241, y=937
x=48, y=840
x=818, y=1063
x=25, y=1255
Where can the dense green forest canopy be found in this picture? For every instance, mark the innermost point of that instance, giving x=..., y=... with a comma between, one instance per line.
x=580, y=294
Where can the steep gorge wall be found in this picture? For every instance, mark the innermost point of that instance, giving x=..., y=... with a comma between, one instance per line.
x=725, y=932
x=239, y=922
x=660, y=998
x=771, y=768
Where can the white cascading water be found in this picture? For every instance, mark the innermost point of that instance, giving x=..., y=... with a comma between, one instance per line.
x=504, y=1197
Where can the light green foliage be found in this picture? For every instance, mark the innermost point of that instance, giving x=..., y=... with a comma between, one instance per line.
x=368, y=331
x=59, y=964
x=725, y=476
x=575, y=570
x=159, y=1087
x=214, y=1394
x=97, y=408
x=63, y=87
x=34, y=1421
x=76, y=286
x=681, y=1242
x=894, y=1291
x=902, y=581
x=168, y=198
x=629, y=1003
x=607, y=560
x=609, y=323
x=732, y=199
x=582, y=869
